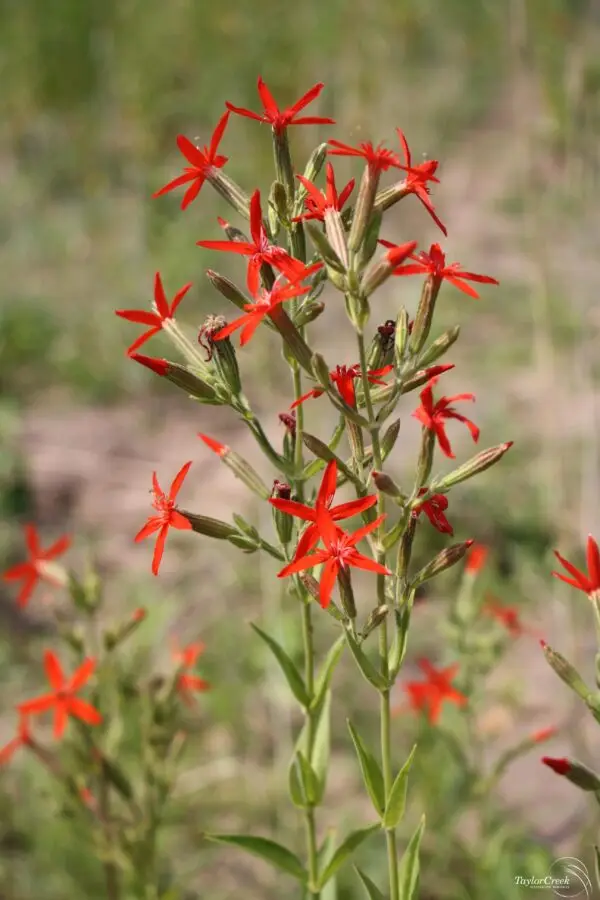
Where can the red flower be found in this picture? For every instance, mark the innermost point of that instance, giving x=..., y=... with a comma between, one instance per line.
x=434, y=508
x=560, y=766
x=265, y=302
x=543, y=735
x=62, y=698
x=156, y=320
x=325, y=495
x=590, y=583
x=434, y=265
x=378, y=159
x=202, y=162
x=506, y=615
x=417, y=178
x=168, y=516
x=280, y=119
x=319, y=204
x=432, y=415
x=476, y=558
x=343, y=377
x=340, y=553
x=21, y=739
x=429, y=695
x=34, y=569
x=187, y=684
x=260, y=251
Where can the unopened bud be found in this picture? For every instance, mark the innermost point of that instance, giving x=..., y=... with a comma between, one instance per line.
x=425, y=456
x=424, y=316
x=381, y=270
x=240, y=467
x=385, y=484
x=402, y=334
x=296, y=345
x=213, y=528
x=575, y=772
x=376, y=617
x=112, y=639
x=346, y=592
x=325, y=249
x=566, y=672
x=444, y=560
x=246, y=544
x=308, y=312
x=474, y=466
x=389, y=439
x=367, y=251
x=283, y=162
x=278, y=214
x=405, y=548
x=246, y=528
x=320, y=369
x=221, y=352
x=336, y=235
x=193, y=385
x=439, y=346
x=283, y=521
x=227, y=289
x=423, y=375
x=229, y=190
x=363, y=208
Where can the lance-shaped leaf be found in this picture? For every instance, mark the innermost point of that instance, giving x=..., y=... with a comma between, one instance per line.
x=307, y=779
x=320, y=449
x=370, y=770
x=293, y=677
x=365, y=665
x=409, y=865
x=473, y=466
x=314, y=467
x=373, y=892
x=302, y=781
x=396, y=802
x=272, y=852
x=345, y=851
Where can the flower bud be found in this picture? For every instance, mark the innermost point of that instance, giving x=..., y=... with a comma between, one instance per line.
x=346, y=593
x=240, y=467
x=336, y=235
x=566, y=672
x=376, y=617
x=113, y=639
x=439, y=346
x=296, y=344
x=444, y=560
x=314, y=165
x=363, y=208
x=320, y=370
x=182, y=377
x=367, y=251
x=388, y=441
x=325, y=249
x=381, y=349
x=405, y=548
x=424, y=316
x=228, y=289
x=358, y=309
x=385, y=484
x=423, y=375
x=246, y=544
x=474, y=466
x=403, y=330
x=213, y=528
x=425, y=461
x=283, y=162
x=380, y=271
x=575, y=772
x=277, y=213
x=221, y=352
x=284, y=523
x=308, y=312
x=229, y=190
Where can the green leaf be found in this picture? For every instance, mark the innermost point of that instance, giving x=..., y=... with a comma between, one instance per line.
x=326, y=851
x=400, y=642
x=409, y=865
x=373, y=892
x=303, y=781
x=345, y=851
x=294, y=679
x=327, y=669
x=396, y=801
x=319, y=756
x=365, y=665
x=272, y=852
x=370, y=771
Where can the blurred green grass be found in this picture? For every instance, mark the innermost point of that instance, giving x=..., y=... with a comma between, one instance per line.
x=93, y=96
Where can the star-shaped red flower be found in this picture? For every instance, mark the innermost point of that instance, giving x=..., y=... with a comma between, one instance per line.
x=434, y=265
x=417, y=178
x=34, y=569
x=280, y=119
x=588, y=583
x=433, y=415
x=155, y=320
x=507, y=615
x=344, y=377
x=431, y=694
x=260, y=251
x=340, y=553
x=168, y=516
x=187, y=684
x=434, y=508
x=317, y=203
x=378, y=159
x=62, y=697
x=325, y=496
x=265, y=302
x=201, y=164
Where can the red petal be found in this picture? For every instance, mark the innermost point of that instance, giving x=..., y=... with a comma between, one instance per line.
x=193, y=191
x=140, y=317
x=84, y=711
x=160, y=366
x=37, y=705
x=245, y=112
x=440, y=433
x=160, y=298
x=267, y=99
x=216, y=446
x=27, y=590
x=82, y=675
x=352, y=508
x=178, y=298
x=240, y=247
x=307, y=98
x=178, y=480
x=328, y=579
x=58, y=547
x=151, y=526
x=256, y=226
x=179, y=521
x=303, y=563
x=327, y=487
x=61, y=717
x=142, y=340
x=54, y=672
x=217, y=136
x=293, y=508
x=193, y=155
x=233, y=326
x=593, y=562
x=175, y=183
x=159, y=549
x=314, y=394
x=359, y=561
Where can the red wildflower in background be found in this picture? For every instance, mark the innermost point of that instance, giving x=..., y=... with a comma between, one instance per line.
x=186, y=683
x=340, y=553
x=21, y=739
x=281, y=119
x=506, y=615
x=434, y=508
x=543, y=735
x=430, y=695
x=317, y=203
x=589, y=583
x=343, y=377
x=264, y=304
x=434, y=265
x=202, y=161
x=168, y=516
x=417, y=178
x=378, y=159
x=561, y=766
x=476, y=558
x=325, y=495
x=62, y=697
x=261, y=251
x=433, y=415
x=34, y=569
x=155, y=320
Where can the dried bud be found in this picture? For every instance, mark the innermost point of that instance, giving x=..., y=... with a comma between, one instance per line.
x=228, y=289
x=444, y=560
x=575, y=772
x=381, y=348
x=474, y=466
x=346, y=592
x=229, y=190
x=308, y=312
x=284, y=522
x=185, y=379
x=240, y=467
x=439, y=346
x=385, y=484
x=221, y=352
x=566, y=672
x=289, y=420
x=388, y=441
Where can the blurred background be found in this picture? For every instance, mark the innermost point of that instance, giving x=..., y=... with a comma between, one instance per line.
x=506, y=95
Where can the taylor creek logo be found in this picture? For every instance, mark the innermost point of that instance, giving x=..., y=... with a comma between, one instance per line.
x=567, y=877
